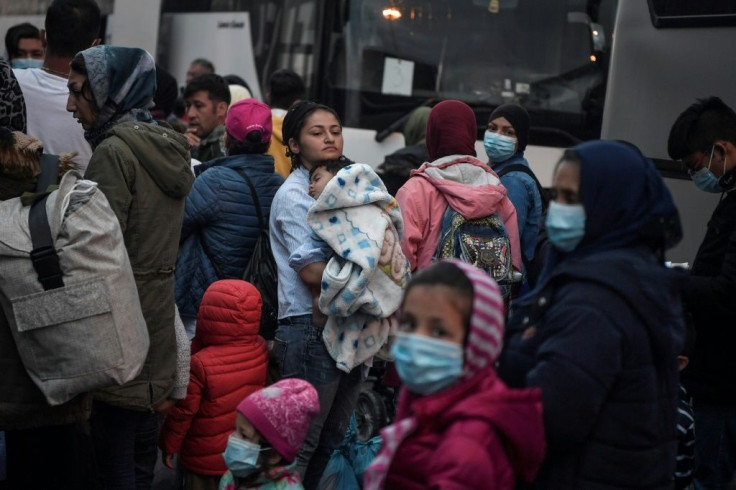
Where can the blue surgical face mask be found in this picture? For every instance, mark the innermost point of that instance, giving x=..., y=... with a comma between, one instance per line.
x=499, y=148
x=705, y=180
x=241, y=456
x=22, y=63
x=426, y=365
x=565, y=225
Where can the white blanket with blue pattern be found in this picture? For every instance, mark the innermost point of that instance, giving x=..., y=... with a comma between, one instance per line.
x=363, y=283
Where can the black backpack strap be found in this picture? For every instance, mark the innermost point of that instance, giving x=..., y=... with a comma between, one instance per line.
x=253, y=193
x=44, y=257
x=49, y=172
x=518, y=167
x=208, y=253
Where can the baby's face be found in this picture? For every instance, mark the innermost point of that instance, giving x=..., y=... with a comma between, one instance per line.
x=317, y=182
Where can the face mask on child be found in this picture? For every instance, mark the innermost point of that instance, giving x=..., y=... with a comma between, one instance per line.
x=241, y=456
x=426, y=365
x=565, y=225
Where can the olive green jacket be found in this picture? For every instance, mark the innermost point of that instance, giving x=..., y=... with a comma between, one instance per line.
x=144, y=171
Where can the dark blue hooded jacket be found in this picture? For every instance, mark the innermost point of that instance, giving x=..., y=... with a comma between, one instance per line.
x=220, y=212
x=601, y=333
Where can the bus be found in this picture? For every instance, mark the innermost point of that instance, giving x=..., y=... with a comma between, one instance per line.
x=583, y=69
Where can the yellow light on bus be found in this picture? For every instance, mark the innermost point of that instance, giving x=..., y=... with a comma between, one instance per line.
x=391, y=13
x=593, y=58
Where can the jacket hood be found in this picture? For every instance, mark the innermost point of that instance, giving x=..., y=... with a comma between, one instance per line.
x=656, y=299
x=468, y=185
x=230, y=313
x=163, y=152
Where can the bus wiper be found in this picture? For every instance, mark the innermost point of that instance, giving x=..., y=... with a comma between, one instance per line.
x=394, y=126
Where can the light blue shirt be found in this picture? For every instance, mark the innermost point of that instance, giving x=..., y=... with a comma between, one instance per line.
x=289, y=230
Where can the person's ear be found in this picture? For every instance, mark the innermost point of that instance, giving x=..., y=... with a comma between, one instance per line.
x=293, y=146
x=273, y=458
x=682, y=362
x=221, y=110
x=96, y=42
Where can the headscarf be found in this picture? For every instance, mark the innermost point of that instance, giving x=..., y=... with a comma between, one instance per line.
x=451, y=130
x=415, y=130
x=519, y=119
x=166, y=94
x=625, y=200
x=238, y=93
x=123, y=83
x=12, y=104
x=482, y=348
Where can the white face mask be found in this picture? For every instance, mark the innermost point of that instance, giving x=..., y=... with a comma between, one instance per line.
x=241, y=456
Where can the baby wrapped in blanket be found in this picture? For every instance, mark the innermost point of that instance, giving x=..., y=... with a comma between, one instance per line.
x=357, y=228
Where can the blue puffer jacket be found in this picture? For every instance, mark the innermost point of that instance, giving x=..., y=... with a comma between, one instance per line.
x=523, y=192
x=221, y=212
x=600, y=338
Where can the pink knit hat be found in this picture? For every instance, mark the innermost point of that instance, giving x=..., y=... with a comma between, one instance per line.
x=282, y=413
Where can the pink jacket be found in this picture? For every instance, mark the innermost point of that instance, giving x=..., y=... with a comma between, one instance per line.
x=477, y=434
x=472, y=189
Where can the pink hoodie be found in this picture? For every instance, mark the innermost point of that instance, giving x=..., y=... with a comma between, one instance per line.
x=464, y=182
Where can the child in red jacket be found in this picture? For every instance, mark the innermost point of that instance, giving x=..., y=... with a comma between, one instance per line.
x=229, y=362
x=458, y=426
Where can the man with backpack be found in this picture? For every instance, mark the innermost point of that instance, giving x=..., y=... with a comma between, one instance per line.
x=221, y=221
x=455, y=206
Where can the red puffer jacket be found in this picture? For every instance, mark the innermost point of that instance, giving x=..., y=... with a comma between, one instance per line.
x=229, y=362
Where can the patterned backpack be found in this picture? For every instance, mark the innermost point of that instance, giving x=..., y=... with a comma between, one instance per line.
x=481, y=242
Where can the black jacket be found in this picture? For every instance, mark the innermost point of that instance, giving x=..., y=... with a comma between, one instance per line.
x=600, y=338
x=708, y=295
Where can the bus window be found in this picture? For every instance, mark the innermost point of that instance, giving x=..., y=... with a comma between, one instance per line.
x=550, y=57
x=686, y=13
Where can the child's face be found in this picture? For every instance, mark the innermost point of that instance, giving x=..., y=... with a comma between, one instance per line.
x=318, y=180
x=435, y=311
x=245, y=430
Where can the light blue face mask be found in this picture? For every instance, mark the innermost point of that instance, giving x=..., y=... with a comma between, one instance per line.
x=241, y=456
x=499, y=148
x=565, y=225
x=426, y=365
x=705, y=180
x=23, y=63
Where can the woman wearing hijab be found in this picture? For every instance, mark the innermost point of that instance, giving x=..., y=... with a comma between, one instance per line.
x=601, y=332
x=12, y=104
x=144, y=171
x=453, y=177
x=505, y=140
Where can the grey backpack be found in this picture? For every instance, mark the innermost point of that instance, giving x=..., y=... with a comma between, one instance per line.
x=68, y=292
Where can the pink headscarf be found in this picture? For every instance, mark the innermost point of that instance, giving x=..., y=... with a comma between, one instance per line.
x=451, y=130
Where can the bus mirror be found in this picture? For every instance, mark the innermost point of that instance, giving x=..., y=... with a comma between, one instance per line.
x=598, y=36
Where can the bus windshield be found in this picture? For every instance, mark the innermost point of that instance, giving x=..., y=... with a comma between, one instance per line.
x=547, y=56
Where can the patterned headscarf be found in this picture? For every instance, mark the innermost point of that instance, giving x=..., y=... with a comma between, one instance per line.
x=12, y=104
x=123, y=83
x=482, y=348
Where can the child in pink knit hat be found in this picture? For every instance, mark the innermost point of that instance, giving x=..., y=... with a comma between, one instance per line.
x=270, y=427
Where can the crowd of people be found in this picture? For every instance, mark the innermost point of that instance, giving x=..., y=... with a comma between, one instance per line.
x=535, y=341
